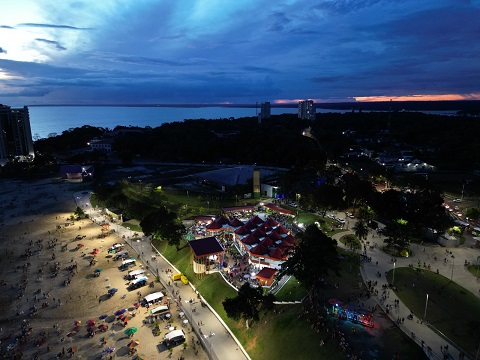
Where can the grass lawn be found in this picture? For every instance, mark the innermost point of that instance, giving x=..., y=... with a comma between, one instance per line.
x=133, y=224
x=474, y=269
x=451, y=309
x=291, y=291
x=351, y=241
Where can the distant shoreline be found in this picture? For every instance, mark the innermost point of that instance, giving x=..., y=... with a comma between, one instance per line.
x=452, y=105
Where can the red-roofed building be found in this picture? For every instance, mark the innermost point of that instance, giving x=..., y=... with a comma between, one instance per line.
x=266, y=276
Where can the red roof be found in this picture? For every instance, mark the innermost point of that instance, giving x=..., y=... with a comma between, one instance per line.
x=238, y=208
x=259, y=234
x=265, y=227
x=276, y=253
x=274, y=236
x=257, y=220
x=271, y=222
x=279, y=209
x=250, y=225
x=214, y=225
x=236, y=223
x=222, y=220
x=267, y=242
x=284, y=245
x=281, y=230
x=290, y=239
x=250, y=240
x=259, y=250
x=266, y=273
x=242, y=231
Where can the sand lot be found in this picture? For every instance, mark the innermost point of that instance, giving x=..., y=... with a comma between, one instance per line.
x=40, y=305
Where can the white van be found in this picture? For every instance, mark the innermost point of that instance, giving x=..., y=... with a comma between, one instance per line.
x=127, y=263
x=174, y=338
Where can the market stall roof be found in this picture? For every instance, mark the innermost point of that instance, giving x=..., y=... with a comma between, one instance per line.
x=267, y=242
x=277, y=253
x=250, y=240
x=242, y=231
x=206, y=246
x=271, y=222
x=259, y=234
x=259, y=250
x=236, y=223
x=238, y=208
x=279, y=209
x=215, y=225
x=281, y=230
x=266, y=273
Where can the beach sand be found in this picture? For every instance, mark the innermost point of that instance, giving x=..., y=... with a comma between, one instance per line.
x=32, y=232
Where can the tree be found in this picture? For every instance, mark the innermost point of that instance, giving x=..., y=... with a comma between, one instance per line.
x=361, y=229
x=313, y=258
x=248, y=303
x=398, y=233
x=163, y=224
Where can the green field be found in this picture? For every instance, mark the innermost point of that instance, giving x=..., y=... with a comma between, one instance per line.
x=451, y=309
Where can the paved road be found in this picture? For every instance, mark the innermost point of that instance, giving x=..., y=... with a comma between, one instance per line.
x=217, y=338
x=454, y=268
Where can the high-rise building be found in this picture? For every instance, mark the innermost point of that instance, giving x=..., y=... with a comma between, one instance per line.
x=306, y=110
x=15, y=134
x=265, y=110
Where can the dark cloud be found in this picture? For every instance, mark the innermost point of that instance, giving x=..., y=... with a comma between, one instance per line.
x=6, y=27
x=52, y=42
x=2, y=51
x=52, y=26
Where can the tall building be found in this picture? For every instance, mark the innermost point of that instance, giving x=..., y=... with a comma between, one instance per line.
x=265, y=110
x=15, y=134
x=307, y=110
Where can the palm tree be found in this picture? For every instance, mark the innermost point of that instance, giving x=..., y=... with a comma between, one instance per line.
x=360, y=229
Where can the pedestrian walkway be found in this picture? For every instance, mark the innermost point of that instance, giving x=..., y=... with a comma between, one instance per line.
x=434, y=345
x=215, y=335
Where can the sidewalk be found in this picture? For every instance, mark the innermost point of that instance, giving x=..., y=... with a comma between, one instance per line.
x=422, y=331
x=217, y=338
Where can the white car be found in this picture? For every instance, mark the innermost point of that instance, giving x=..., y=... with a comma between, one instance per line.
x=457, y=200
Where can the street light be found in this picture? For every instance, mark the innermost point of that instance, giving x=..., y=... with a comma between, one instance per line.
x=425, y=313
x=208, y=203
x=393, y=277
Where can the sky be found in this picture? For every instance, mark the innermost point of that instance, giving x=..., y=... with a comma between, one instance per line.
x=237, y=51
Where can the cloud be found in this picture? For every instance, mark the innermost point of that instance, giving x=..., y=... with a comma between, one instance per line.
x=2, y=51
x=52, y=26
x=52, y=42
x=6, y=27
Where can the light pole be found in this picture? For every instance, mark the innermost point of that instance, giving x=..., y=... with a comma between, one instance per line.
x=393, y=277
x=425, y=313
x=208, y=203
x=453, y=264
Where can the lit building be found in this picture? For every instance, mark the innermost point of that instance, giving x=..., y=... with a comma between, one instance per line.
x=15, y=135
x=307, y=110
